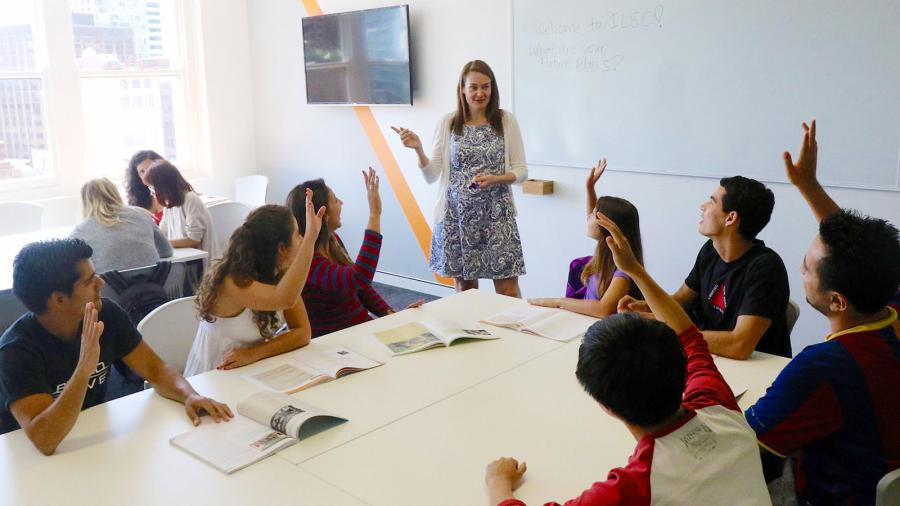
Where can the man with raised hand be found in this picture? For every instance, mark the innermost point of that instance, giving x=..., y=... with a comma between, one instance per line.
x=835, y=408
x=658, y=377
x=55, y=359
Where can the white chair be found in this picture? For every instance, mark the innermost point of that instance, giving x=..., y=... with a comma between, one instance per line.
x=792, y=312
x=251, y=190
x=226, y=218
x=20, y=217
x=170, y=330
x=887, y=493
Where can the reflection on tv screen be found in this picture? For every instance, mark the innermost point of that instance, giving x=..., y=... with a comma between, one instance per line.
x=359, y=57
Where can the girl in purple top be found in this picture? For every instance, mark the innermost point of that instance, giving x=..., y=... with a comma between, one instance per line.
x=603, y=284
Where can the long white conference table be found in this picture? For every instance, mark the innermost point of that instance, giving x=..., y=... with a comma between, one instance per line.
x=421, y=429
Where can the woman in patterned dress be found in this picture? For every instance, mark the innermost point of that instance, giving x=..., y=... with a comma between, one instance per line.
x=477, y=155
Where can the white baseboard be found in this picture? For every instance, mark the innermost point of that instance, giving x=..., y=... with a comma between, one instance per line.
x=410, y=283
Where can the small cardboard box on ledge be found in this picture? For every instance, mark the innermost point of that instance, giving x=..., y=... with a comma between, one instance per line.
x=537, y=186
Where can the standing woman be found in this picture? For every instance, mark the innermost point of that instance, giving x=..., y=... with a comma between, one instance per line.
x=477, y=155
x=186, y=221
x=139, y=195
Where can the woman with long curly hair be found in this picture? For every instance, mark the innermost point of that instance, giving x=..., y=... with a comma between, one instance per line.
x=261, y=273
x=136, y=185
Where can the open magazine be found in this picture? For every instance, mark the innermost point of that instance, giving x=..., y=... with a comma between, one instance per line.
x=556, y=324
x=430, y=333
x=266, y=423
x=310, y=367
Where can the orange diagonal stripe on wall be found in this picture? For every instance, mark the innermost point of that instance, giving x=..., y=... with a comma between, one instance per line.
x=391, y=168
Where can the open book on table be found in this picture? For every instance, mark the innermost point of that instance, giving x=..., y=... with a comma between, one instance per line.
x=429, y=333
x=556, y=324
x=309, y=367
x=265, y=423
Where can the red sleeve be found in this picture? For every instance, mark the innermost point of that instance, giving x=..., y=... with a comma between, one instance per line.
x=705, y=385
x=373, y=301
x=347, y=278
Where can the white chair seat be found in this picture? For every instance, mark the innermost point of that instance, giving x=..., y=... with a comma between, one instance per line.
x=226, y=218
x=170, y=330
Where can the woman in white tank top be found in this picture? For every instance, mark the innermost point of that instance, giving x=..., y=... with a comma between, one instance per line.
x=260, y=275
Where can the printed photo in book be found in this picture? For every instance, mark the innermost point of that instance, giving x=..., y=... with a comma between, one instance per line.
x=265, y=423
x=556, y=324
x=430, y=333
x=311, y=366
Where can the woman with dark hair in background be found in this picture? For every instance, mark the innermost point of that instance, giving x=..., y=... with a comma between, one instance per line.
x=261, y=273
x=139, y=195
x=477, y=155
x=186, y=221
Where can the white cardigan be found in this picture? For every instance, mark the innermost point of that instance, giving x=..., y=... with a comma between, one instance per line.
x=439, y=165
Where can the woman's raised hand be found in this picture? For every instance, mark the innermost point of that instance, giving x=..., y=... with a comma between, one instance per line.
x=313, y=218
x=371, y=179
x=408, y=137
x=595, y=173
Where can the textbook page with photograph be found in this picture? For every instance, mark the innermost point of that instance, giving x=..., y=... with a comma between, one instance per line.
x=556, y=324
x=310, y=367
x=265, y=423
x=430, y=333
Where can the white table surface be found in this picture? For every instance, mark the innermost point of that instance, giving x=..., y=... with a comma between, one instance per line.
x=10, y=245
x=422, y=426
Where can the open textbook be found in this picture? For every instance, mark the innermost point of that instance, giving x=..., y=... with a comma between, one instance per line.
x=556, y=324
x=266, y=423
x=309, y=367
x=430, y=333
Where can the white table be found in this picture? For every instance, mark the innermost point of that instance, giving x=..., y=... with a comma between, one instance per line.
x=422, y=426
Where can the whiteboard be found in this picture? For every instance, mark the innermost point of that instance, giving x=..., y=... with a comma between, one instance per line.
x=710, y=87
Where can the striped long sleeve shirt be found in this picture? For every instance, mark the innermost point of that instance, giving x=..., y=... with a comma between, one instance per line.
x=340, y=296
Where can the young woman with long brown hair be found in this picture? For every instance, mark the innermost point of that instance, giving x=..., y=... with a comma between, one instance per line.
x=186, y=221
x=262, y=272
x=477, y=155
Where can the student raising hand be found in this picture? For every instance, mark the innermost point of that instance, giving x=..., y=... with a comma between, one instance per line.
x=313, y=217
x=593, y=177
x=802, y=174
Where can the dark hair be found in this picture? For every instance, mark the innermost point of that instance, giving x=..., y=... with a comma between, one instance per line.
x=252, y=255
x=493, y=112
x=326, y=242
x=752, y=201
x=168, y=183
x=862, y=260
x=42, y=268
x=138, y=193
x=625, y=215
x=634, y=367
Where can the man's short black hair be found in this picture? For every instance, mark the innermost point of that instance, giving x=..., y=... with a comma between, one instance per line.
x=752, y=201
x=635, y=367
x=42, y=268
x=862, y=259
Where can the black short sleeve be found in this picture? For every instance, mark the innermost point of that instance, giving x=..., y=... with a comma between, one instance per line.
x=693, y=279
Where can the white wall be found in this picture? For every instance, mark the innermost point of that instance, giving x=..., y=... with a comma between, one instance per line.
x=295, y=142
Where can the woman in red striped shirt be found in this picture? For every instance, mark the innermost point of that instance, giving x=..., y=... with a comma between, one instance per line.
x=338, y=292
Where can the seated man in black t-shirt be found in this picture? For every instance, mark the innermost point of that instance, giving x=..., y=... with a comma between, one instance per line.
x=737, y=291
x=55, y=359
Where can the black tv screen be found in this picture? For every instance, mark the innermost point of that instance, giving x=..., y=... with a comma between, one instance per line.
x=359, y=57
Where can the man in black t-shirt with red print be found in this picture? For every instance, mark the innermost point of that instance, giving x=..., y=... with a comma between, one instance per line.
x=737, y=292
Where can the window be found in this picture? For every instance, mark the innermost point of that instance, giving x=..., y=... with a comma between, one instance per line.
x=23, y=139
x=117, y=57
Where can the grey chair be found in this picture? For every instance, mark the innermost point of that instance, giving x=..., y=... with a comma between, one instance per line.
x=792, y=312
x=887, y=493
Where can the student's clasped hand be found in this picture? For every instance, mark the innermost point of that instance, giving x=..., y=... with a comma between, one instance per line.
x=502, y=476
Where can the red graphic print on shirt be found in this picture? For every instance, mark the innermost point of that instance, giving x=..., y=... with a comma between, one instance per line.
x=717, y=299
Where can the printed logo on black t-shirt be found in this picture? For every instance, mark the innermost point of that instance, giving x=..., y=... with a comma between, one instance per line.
x=98, y=377
x=717, y=298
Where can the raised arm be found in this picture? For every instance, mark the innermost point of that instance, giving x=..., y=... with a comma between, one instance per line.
x=802, y=174
x=593, y=177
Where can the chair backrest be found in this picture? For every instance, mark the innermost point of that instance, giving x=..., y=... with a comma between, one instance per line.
x=170, y=330
x=792, y=312
x=226, y=218
x=887, y=493
x=21, y=217
x=251, y=190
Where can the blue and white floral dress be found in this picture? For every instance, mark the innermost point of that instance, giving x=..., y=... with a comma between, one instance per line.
x=477, y=236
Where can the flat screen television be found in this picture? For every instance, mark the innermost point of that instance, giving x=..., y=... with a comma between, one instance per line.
x=358, y=57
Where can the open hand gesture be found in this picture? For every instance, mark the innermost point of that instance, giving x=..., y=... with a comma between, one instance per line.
x=372, y=181
x=621, y=250
x=408, y=137
x=91, y=330
x=803, y=173
x=595, y=173
x=313, y=218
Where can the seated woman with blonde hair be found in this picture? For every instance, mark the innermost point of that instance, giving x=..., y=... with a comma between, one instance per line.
x=121, y=236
